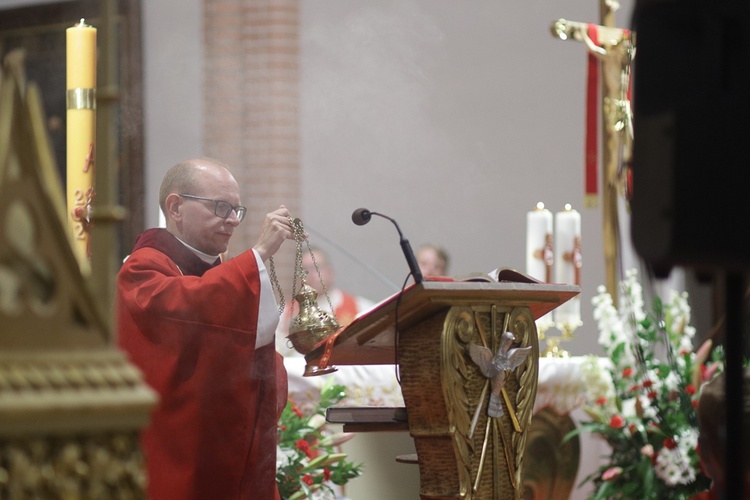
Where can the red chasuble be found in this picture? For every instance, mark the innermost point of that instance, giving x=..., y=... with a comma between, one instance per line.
x=346, y=311
x=192, y=329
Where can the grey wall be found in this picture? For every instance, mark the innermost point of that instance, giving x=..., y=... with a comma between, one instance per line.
x=173, y=93
x=455, y=118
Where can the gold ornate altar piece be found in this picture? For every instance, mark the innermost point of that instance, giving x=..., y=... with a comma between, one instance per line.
x=71, y=406
x=469, y=422
x=551, y=462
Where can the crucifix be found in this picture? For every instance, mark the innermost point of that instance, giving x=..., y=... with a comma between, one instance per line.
x=611, y=49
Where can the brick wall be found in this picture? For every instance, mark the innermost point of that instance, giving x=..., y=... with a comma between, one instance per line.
x=251, y=102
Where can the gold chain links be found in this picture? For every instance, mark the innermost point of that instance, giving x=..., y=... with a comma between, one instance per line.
x=298, y=231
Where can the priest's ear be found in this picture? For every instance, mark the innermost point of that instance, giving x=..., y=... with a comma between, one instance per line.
x=173, y=207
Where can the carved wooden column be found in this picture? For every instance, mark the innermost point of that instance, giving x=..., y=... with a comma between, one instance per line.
x=462, y=451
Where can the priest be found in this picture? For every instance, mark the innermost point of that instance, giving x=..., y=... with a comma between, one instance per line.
x=202, y=330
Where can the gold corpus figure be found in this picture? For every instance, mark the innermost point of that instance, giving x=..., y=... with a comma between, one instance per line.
x=616, y=51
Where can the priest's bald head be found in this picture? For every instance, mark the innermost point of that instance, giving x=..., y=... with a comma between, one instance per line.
x=200, y=199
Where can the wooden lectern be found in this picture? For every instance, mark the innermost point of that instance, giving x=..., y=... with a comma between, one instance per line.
x=428, y=329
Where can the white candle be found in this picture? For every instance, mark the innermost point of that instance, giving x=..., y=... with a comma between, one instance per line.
x=568, y=262
x=539, y=258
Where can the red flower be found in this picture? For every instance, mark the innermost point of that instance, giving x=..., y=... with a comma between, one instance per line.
x=296, y=409
x=617, y=422
x=308, y=480
x=627, y=372
x=304, y=447
x=670, y=443
x=690, y=389
x=652, y=395
x=326, y=473
x=694, y=403
x=647, y=384
x=602, y=400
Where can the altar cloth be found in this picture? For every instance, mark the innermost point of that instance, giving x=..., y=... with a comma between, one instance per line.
x=561, y=384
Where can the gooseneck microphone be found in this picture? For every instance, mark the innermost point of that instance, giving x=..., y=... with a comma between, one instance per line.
x=362, y=216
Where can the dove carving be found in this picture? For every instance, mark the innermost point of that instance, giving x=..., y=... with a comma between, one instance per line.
x=496, y=367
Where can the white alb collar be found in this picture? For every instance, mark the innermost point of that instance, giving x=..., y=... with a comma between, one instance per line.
x=208, y=259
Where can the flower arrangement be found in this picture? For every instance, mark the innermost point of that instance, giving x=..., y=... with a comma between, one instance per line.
x=643, y=401
x=307, y=464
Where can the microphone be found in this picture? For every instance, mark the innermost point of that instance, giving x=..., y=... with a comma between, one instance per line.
x=362, y=216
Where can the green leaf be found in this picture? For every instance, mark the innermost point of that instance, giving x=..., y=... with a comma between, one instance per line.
x=323, y=460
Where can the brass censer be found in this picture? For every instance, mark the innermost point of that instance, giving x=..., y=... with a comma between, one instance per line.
x=311, y=325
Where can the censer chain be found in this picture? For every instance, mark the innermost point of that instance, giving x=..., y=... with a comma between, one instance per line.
x=299, y=236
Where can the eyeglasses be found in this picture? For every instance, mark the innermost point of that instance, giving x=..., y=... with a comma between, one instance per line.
x=222, y=208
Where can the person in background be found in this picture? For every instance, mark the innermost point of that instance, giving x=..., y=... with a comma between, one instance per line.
x=432, y=260
x=713, y=439
x=346, y=307
x=202, y=331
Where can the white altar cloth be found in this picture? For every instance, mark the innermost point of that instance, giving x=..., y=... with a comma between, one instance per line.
x=561, y=384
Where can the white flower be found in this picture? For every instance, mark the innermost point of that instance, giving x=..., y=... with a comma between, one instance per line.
x=672, y=381
x=614, y=328
x=630, y=408
x=283, y=457
x=598, y=380
x=322, y=494
x=631, y=298
x=674, y=466
x=316, y=421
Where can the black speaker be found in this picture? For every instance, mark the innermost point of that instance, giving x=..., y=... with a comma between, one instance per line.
x=691, y=151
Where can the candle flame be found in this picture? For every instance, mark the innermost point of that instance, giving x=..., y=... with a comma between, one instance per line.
x=568, y=207
x=540, y=206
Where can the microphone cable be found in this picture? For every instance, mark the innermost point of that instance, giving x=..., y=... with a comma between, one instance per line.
x=396, y=330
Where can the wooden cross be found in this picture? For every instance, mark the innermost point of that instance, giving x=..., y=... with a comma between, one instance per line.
x=614, y=48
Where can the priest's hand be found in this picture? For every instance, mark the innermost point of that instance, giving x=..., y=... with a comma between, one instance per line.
x=277, y=227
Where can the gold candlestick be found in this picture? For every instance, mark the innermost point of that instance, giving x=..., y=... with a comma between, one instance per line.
x=553, y=349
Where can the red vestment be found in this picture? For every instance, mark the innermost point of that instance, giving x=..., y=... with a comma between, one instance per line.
x=347, y=310
x=192, y=328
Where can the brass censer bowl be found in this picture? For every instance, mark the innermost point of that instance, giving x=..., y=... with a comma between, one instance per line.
x=312, y=325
